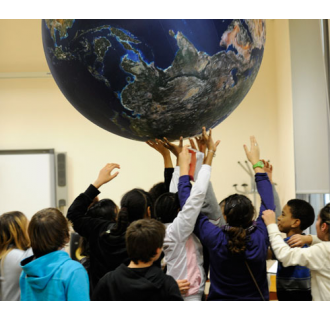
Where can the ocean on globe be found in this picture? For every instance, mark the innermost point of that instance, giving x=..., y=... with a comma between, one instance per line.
x=154, y=78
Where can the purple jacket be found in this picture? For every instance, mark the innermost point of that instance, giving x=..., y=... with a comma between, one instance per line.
x=229, y=276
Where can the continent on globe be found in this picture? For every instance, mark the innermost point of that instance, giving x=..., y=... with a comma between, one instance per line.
x=144, y=79
x=60, y=25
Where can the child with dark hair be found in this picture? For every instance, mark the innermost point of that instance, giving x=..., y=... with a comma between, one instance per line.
x=50, y=274
x=238, y=250
x=157, y=190
x=141, y=280
x=316, y=257
x=107, y=239
x=294, y=283
x=104, y=209
x=239, y=212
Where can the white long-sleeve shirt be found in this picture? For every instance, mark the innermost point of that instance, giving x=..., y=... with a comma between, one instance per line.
x=210, y=207
x=183, y=250
x=316, y=258
x=10, y=272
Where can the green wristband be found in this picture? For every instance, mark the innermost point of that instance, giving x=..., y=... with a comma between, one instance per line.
x=258, y=164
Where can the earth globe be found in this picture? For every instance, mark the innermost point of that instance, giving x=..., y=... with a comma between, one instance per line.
x=154, y=78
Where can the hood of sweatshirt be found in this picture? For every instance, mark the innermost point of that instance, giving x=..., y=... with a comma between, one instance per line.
x=144, y=280
x=39, y=272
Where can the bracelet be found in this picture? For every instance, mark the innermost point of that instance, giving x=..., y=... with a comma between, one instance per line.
x=212, y=152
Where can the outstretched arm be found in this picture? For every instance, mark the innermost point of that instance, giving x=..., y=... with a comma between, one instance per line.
x=184, y=224
x=175, y=149
x=210, y=207
x=83, y=224
x=263, y=184
x=106, y=175
x=159, y=146
x=269, y=170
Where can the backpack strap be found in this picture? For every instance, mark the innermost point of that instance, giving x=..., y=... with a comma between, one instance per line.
x=254, y=280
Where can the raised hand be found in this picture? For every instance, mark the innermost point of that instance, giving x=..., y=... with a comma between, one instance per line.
x=210, y=145
x=192, y=144
x=254, y=154
x=175, y=149
x=269, y=217
x=268, y=169
x=184, y=161
x=159, y=146
x=105, y=174
x=201, y=144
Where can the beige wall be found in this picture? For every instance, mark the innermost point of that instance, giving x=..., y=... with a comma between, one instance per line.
x=284, y=111
x=34, y=114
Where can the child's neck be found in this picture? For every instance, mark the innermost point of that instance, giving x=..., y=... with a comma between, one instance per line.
x=292, y=232
x=140, y=264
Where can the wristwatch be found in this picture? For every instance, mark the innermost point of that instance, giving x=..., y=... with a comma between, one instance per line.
x=258, y=164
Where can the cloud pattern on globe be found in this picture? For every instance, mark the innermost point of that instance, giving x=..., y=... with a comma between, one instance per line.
x=144, y=79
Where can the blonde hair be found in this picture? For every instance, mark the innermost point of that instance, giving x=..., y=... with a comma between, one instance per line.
x=13, y=232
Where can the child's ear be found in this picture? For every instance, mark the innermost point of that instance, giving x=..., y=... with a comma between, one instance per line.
x=296, y=223
x=324, y=227
x=148, y=212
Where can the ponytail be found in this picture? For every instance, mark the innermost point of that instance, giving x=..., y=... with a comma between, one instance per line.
x=122, y=222
x=236, y=240
x=239, y=212
x=134, y=206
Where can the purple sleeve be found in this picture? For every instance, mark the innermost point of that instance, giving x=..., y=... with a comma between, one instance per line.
x=209, y=234
x=184, y=188
x=265, y=191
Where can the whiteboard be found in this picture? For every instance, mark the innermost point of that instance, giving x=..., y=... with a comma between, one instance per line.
x=27, y=180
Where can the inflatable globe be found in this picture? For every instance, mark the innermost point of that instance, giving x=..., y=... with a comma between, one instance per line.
x=145, y=79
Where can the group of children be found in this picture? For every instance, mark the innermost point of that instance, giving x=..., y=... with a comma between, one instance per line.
x=163, y=244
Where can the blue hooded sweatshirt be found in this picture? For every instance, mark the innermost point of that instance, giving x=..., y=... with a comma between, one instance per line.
x=53, y=277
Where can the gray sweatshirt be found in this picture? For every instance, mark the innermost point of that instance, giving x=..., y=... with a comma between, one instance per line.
x=10, y=274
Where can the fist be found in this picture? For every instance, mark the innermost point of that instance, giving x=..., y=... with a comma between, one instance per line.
x=269, y=217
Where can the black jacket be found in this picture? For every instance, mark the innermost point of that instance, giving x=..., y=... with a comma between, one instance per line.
x=107, y=251
x=141, y=284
